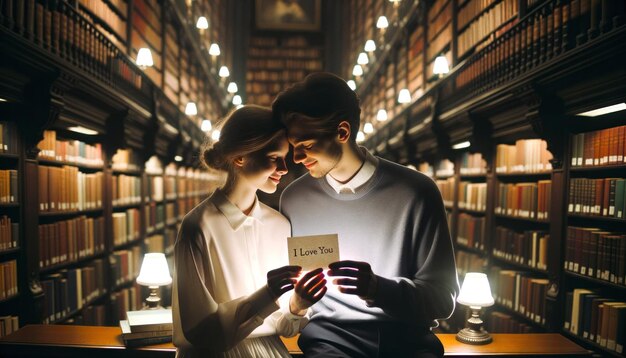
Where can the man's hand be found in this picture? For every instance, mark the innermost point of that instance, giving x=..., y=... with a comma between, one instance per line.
x=358, y=278
x=310, y=289
x=282, y=280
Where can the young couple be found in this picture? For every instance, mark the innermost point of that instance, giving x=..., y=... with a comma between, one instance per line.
x=234, y=291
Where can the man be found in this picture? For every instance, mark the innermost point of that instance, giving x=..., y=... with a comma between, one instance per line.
x=398, y=274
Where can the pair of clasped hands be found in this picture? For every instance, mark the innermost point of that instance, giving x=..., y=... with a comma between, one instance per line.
x=357, y=278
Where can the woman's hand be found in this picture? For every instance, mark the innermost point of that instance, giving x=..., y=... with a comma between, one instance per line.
x=309, y=289
x=282, y=280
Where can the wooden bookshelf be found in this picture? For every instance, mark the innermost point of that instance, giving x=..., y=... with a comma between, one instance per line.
x=274, y=62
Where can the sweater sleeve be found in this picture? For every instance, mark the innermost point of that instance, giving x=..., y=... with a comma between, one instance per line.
x=430, y=293
x=206, y=323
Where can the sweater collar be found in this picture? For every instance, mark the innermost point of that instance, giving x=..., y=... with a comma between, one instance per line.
x=363, y=175
x=236, y=218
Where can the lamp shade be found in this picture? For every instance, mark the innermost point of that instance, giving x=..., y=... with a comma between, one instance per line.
x=191, y=109
x=144, y=57
x=368, y=128
x=206, y=125
x=381, y=116
x=404, y=96
x=202, y=23
x=362, y=59
x=382, y=22
x=441, y=66
x=214, y=49
x=237, y=100
x=224, y=72
x=154, y=270
x=232, y=87
x=370, y=46
x=475, y=291
x=352, y=84
x=357, y=70
x=360, y=136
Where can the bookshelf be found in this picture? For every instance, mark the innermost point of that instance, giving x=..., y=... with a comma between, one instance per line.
x=276, y=61
x=79, y=122
x=10, y=219
x=497, y=99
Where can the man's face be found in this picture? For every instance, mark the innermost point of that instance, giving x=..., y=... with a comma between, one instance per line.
x=319, y=153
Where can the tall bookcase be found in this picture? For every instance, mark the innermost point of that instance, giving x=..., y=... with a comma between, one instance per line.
x=522, y=72
x=11, y=260
x=80, y=123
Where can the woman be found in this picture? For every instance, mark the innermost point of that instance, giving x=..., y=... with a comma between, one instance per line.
x=224, y=304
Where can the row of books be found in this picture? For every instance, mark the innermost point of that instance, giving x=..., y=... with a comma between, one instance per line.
x=8, y=325
x=105, y=13
x=125, y=300
x=528, y=248
x=284, y=75
x=126, y=189
x=473, y=196
x=8, y=138
x=599, y=319
x=446, y=187
x=9, y=191
x=126, y=226
x=70, y=240
x=437, y=21
x=602, y=147
x=126, y=159
x=147, y=327
x=125, y=264
x=153, y=186
x=500, y=322
x=472, y=164
x=598, y=197
x=9, y=233
x=154, y=216
x=69, y=290
x=8, y=279
x=596, y=253
x=469, y=10
x=520, y=292
x=71, y=151
x=281, y=64
x=471, y=231
x=444, y=168
x=525, y=200
x=469, y=262
x=486, y=23
x=525, y=156
x=67, y=189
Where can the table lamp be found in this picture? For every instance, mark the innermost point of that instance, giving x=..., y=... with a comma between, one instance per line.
x=154, y=273
x=475, y=293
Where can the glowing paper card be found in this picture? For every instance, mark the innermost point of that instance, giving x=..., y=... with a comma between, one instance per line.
x=312, y=252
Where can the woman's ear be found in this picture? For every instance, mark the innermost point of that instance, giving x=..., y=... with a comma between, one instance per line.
x=343, y=131
x=238, y=162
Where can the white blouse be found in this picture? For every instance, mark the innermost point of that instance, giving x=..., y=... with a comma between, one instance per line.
x=221, y=305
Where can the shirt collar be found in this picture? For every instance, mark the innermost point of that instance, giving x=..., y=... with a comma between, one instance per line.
x=365, y=173
x=233, y=214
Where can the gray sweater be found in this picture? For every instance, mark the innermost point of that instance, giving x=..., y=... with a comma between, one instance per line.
x=397, y=223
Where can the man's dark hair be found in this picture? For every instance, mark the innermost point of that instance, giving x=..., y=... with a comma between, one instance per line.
x=324, y=98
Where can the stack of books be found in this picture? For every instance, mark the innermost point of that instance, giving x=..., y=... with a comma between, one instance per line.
x=141, y=328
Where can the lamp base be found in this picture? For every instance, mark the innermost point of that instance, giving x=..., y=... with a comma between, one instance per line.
x=471, y=336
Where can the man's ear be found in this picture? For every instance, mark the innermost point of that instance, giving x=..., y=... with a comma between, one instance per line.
x=343, y=131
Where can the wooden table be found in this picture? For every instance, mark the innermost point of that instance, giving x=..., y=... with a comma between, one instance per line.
x=92, y=342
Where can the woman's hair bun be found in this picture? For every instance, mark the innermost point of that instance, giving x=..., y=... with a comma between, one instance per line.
x=214, y=158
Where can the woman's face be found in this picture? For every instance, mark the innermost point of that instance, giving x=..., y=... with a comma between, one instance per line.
x=263, y=169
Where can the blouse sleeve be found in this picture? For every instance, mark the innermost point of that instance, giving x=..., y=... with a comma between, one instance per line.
x=288, y=324
x=204, y=322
